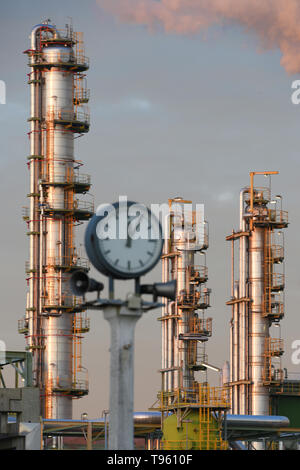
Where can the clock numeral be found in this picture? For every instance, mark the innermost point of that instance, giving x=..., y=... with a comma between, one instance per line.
x=141, y=262
x=129, y=265
x=107, y=252
x=116, y=262
x=149, y=253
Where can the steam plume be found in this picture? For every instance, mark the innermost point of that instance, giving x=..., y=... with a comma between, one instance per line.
x=275, y=22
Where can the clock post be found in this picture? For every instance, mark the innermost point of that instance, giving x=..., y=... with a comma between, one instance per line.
x=122, y=321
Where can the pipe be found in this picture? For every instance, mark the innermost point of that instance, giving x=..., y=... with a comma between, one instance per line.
x=235, y=353
x=39, y=27
x=250, y=421
x=237, y=445
x=259, y=325
x=242, y=406
x=140, y=418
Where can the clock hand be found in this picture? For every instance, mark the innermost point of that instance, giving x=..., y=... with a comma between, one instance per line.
x=129, y=239
x=134, y=225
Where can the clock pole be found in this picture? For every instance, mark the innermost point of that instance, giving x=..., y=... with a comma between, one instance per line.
x=122, y=321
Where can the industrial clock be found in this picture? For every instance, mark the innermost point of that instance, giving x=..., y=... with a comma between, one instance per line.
x=125, y=241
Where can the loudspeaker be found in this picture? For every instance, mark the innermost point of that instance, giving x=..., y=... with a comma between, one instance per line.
x=81, y=284
x=161, y=289
x=165, y=289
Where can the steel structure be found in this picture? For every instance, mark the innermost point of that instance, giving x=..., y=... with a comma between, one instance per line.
x=185, y=331
x=54, y=320
x=257, y=300
x=184, y=326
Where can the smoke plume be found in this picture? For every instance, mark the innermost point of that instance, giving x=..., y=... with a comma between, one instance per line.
x=275, y=22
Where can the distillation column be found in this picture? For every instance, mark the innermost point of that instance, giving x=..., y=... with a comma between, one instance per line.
x=191, y=409
x=184, y=328
x=54, y=321
x=257, y=300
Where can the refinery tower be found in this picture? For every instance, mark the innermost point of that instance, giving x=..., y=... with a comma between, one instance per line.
x=54, y=321
x=257, y=299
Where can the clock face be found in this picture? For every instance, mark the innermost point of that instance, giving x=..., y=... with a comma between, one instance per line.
x=123, y=243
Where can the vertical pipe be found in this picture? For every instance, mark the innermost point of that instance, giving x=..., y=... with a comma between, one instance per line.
x=243, y=310
x=235, y=349
x=259, y=325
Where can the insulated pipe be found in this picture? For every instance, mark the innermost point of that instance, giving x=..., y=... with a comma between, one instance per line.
x=243, y=310
x=244, y=422
x=259, y=325
x=237, y=445
x=38, y=28
x=235, y=351
x=176, y=364
x=184, y=260
x=34, y=225
x=163, y=337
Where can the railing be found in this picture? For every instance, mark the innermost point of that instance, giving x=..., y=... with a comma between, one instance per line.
x=68, y=262
x=260, y=194
x=275, y=253
x=65, y=301
x=76, y=205
x=201, y=326
x=273, y=304
x=274, y=347
x=60, y=58
x=81, y=324
x=71, y=115
x=80, y=385
x=200, y=395
x=67, y=179
x=273, y=376
x=278, y=281
x=82, y=94
x=64, y=34
x=23, y=326
x=194, y=444
x=196, y=356
x=290, y=388
x=68, y=388
x=197, y=300
x=278, y=216
x=28, y=269
x=25, y=213
x=276, y=310
x=213, y=443
x=198, y=273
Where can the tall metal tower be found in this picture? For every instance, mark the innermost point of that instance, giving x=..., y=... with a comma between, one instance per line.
x=187, y=405
x=184, y=327
x=257, y=299
x=54, y=320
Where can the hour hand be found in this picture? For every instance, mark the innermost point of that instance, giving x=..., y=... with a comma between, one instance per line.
x=129, y=239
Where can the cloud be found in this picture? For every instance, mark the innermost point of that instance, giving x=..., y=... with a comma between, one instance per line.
x=274, y=22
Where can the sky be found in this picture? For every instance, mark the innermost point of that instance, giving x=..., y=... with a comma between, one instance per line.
x=171, y=115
